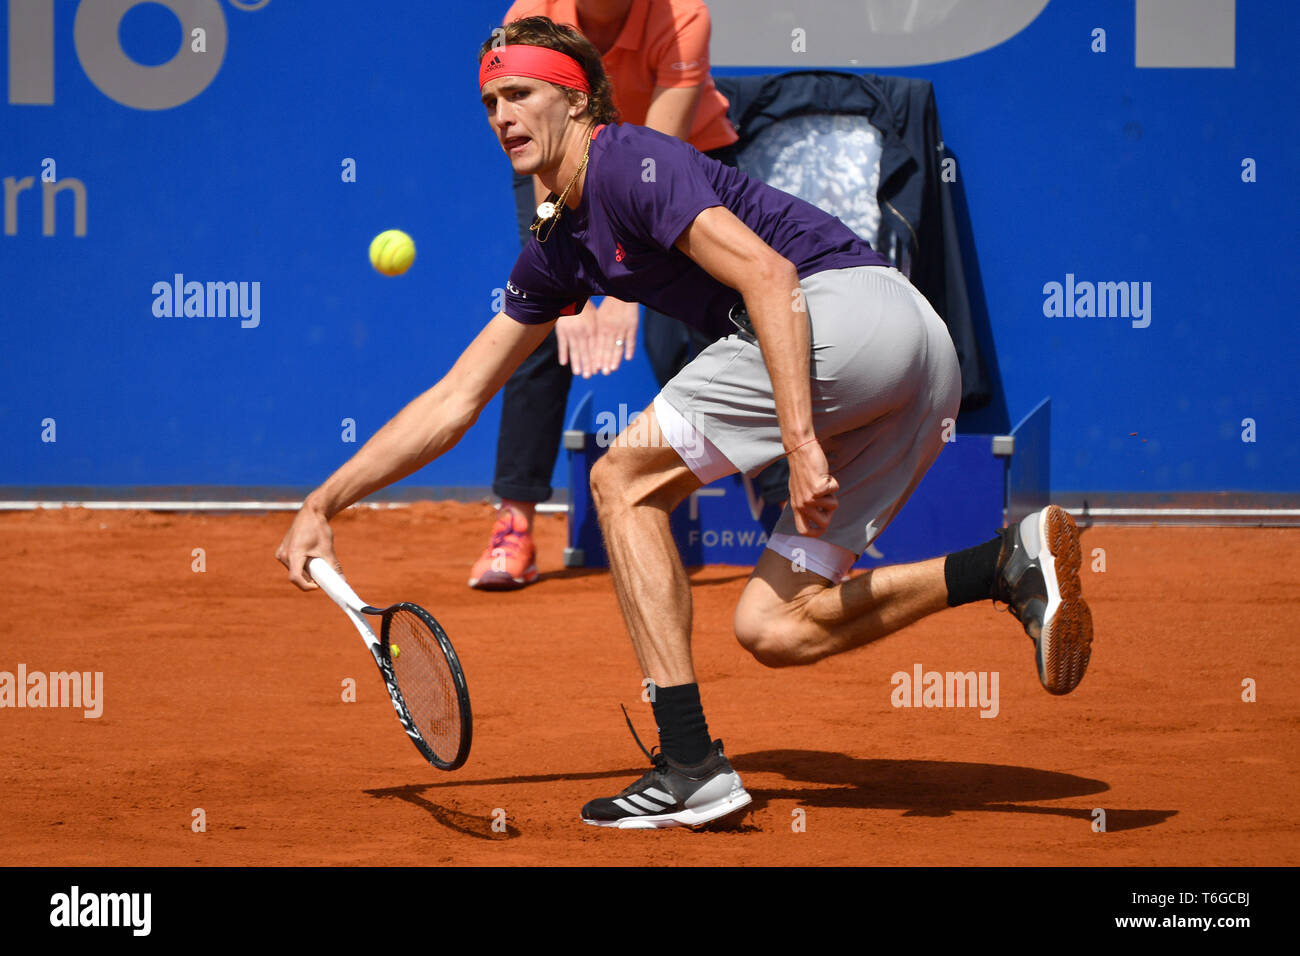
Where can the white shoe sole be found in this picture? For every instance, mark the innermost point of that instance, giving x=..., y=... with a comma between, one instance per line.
x=500, y=581
x=1065, y=642
x=736, y=800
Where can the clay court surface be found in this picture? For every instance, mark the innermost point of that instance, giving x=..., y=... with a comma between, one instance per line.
x=223, y=690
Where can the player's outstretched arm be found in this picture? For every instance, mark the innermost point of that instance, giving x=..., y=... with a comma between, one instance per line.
x=429, y=426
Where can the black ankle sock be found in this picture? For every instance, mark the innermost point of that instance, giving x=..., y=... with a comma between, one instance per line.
x=970, y=574
x=683, y=732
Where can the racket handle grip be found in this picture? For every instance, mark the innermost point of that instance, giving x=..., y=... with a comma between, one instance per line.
x=332, y=583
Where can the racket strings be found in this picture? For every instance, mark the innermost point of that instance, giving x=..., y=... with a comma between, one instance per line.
x=426, y=681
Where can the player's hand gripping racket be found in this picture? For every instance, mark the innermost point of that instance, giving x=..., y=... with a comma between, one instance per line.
x=418, y=664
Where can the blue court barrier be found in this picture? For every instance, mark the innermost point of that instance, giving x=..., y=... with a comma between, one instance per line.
x=977, y=483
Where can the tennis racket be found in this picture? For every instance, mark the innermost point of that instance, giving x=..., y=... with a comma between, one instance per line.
x=419, y=667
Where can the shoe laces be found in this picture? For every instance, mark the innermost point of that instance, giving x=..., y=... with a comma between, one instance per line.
x=504, y=535
x=659, y=760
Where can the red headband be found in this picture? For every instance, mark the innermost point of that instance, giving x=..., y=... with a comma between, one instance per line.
x=538, y=62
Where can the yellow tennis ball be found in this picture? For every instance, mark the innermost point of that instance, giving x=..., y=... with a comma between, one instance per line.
x=396, y=651
x=392, y=252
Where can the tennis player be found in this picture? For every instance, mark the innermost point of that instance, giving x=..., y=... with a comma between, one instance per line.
x=837, y=363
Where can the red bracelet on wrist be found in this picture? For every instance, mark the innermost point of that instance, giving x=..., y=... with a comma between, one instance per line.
x=800, y=445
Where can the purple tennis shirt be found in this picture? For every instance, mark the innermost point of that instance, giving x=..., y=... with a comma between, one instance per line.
x=643, y=189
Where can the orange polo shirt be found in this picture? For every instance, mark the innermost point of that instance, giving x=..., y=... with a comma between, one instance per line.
x=662, y=43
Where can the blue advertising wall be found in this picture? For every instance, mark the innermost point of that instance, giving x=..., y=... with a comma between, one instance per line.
x=1070, y=163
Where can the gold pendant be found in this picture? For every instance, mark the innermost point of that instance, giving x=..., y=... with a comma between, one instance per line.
x=546, y=210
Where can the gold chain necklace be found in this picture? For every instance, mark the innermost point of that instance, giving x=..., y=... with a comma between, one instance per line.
x=548, y=213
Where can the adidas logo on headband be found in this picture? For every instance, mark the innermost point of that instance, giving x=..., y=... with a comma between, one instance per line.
x=541, y=63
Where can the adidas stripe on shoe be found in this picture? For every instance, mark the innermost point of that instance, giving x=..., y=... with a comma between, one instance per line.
x=673, y=795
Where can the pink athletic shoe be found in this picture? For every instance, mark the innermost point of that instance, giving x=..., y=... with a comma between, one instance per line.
x=510, y=560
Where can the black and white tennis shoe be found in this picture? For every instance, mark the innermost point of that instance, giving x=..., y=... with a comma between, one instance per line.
x=1038, y=578
x=673, y=795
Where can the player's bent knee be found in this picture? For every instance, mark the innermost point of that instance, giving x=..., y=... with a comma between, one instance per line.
x=602, y=482
x=627, y=477
x=772, y=637
x=610, y=480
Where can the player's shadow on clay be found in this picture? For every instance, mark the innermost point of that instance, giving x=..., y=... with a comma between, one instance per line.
x=931, y=788
x=478, y=825
x=470, y=824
